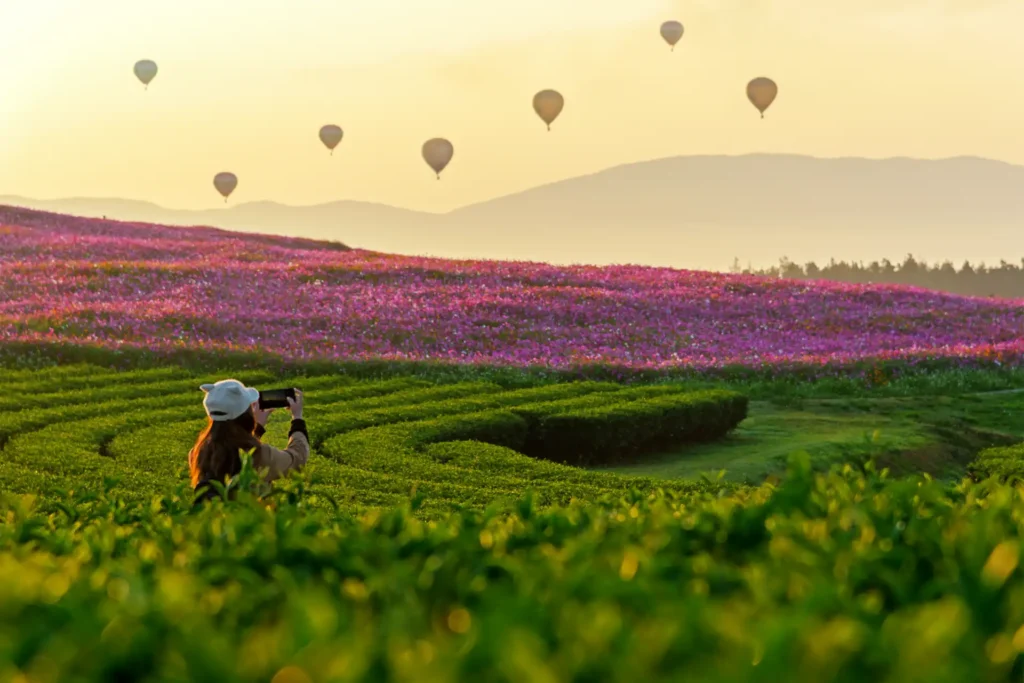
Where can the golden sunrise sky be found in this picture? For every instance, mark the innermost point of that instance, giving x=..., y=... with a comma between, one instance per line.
x=244, y=85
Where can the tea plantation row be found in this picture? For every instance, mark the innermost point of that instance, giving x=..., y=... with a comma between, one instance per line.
x=111, y=575
x=459, y=444
x=836, y=577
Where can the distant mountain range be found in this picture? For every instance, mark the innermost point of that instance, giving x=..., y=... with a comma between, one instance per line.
x=690, y=212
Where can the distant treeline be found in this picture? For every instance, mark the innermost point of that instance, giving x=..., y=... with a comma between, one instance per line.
x=1004, y=280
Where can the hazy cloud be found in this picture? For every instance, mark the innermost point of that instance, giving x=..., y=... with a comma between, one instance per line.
x=841, y=6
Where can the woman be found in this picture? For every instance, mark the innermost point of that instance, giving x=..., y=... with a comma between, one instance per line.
x=237, y=423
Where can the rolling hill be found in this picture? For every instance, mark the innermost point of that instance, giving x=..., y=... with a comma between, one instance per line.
x=166, y=289
x=691, y=212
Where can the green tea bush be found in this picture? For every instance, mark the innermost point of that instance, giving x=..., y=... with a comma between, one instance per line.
x=124, y=390
x=435, y=536
x=835, y=576
x=38, y=382
x=370, y=437
x=77, y=372
x=595, y=435
x=488, y=397
x=1005, y=463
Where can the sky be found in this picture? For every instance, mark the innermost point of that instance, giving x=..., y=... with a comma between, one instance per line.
x=244, y=86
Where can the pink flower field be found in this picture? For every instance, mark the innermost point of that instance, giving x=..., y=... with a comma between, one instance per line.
x=133, y=285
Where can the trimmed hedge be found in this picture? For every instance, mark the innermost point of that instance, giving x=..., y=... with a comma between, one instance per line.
x=390, y=459
x=559, y=431
x=498, y=428
x=328, y=426
x=46, y=383
x=58, y=372
x=324, y=391
x=501, y=461
x=23, y=399
x=73, y=440
x=620, y=431
x=380, y=438
x=534, y=413
x=1003, y=462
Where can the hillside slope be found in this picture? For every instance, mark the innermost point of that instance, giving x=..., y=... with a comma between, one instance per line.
x=694, y=212
x=162, y=288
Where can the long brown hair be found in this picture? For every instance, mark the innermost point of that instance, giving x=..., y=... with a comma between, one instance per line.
x=216, y=455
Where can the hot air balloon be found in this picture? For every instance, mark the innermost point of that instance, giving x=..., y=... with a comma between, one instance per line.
x=331, y=135
x=437, y=152
x=672, y=31
x=761, y=92
x=145, y=71
x=548, y=105
x=225, y=184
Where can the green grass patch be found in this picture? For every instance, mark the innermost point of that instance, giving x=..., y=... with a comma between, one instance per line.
x=939, y=435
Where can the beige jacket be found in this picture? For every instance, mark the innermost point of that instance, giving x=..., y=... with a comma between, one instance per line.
x=278, y=461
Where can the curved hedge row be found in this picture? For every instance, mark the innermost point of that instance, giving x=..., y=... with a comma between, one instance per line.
x=1006, y=463
x=374, y=441
x=826, y=577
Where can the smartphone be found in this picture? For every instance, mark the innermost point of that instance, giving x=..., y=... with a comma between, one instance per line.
x=275, y=398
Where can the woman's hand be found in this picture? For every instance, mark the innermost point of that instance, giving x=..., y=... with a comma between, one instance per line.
x=295, y=405
x=261, y=415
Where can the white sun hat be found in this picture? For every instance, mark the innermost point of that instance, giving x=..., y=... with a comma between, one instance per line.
x=228, y=399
